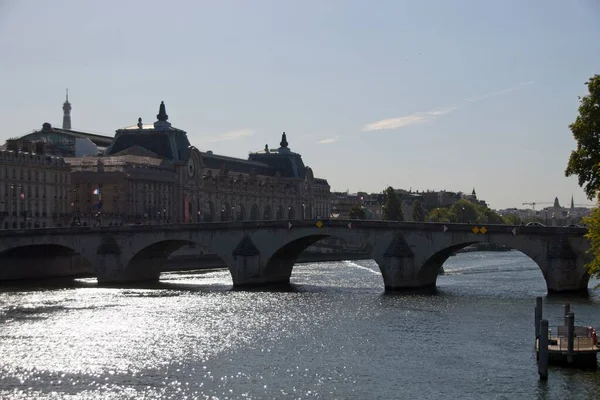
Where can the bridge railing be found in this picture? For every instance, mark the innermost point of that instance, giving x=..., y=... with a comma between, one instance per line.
x=448, y=228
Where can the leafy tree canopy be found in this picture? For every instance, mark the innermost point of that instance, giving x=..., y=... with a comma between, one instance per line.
x=585, y=160
x=392, y=210
x=593, y=223
x=357, y=212
x=464, y=211
x=512, y=219
x=418, y=213
x=440, y=215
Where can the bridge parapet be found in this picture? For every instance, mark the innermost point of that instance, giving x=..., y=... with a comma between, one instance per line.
x=326, y=223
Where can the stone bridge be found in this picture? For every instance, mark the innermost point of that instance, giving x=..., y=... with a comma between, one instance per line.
x=409, y=254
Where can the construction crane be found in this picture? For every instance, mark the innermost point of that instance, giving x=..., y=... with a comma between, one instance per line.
x=533, y=204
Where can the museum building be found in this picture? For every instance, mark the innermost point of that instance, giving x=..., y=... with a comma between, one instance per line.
x=150, y=173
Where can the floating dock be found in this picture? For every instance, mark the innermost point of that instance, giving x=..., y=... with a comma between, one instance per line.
x=567, y=344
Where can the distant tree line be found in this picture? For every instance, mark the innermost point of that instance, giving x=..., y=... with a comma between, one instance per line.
x=462, y=211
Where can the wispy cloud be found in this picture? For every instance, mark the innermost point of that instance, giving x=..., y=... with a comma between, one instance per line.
x=407, y=120
x=518, y=86
x=332, y=139
x=421, y=117
x=229, y=135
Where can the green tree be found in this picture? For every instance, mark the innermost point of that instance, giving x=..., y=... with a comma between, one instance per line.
x=418, y=212
x=392, y=210
x=592, y=221
x=512, y=219
x=464, y=211
x=357, y=212
x=488, y=216
x=440, y=215
x=585, y=161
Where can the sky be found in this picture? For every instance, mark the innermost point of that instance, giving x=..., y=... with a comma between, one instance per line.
x=428, y=95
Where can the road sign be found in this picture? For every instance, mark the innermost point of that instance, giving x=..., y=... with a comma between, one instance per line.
x=475, y=230
x=349, y=225
x=289, y=225
x=445, y=228
x=319, y=224
x=483, y=230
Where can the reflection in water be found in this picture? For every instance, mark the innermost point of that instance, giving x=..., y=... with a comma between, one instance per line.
x=333, y=333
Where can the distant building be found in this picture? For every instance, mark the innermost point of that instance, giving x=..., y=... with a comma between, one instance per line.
x=34, y=189
x=63, y=142
x=555, y=215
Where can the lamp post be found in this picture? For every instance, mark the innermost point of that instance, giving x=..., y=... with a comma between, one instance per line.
x=303, y=211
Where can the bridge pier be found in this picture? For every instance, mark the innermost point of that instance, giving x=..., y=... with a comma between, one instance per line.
x=248, y=268
x=110, y=268
x=565, y=275
x=401, y=269
x=565, y=269
x=401, y=273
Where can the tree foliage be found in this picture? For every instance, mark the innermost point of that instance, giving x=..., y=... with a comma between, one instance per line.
x=357, y=212
x=440, y=215
x=392, y=210
x=464, y=211
x=592, y=221
x=512, y=219
x=418, y=212
x=585, y=160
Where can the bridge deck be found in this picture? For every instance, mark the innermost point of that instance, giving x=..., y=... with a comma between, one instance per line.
x=296, y=224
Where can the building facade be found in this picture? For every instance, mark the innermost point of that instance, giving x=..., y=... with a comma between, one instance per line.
x=34, y=189
x=150, y=173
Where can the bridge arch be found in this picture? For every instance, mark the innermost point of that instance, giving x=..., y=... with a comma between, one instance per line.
x=549, y=257
x=41, y=261
x=148, y=261
x=281, y=262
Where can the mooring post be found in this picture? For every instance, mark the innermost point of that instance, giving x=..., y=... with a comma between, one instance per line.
x=543, y=350
x=567, y=310
x=570, y=320
x=538, y=316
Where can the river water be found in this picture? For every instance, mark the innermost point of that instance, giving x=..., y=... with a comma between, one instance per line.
x=334, y=334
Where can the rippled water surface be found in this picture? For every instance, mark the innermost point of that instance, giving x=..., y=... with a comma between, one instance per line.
x=333, y=334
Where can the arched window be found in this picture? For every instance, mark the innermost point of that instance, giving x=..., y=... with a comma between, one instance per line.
x=254, y=213
x=267, y=214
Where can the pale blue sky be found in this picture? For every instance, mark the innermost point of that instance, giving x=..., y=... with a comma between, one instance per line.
x=423, y=94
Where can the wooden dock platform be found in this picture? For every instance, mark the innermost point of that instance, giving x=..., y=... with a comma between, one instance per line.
x=584, y=351
x=567, y=344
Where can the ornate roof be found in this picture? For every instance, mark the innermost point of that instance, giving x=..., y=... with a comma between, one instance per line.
x=160, y=138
